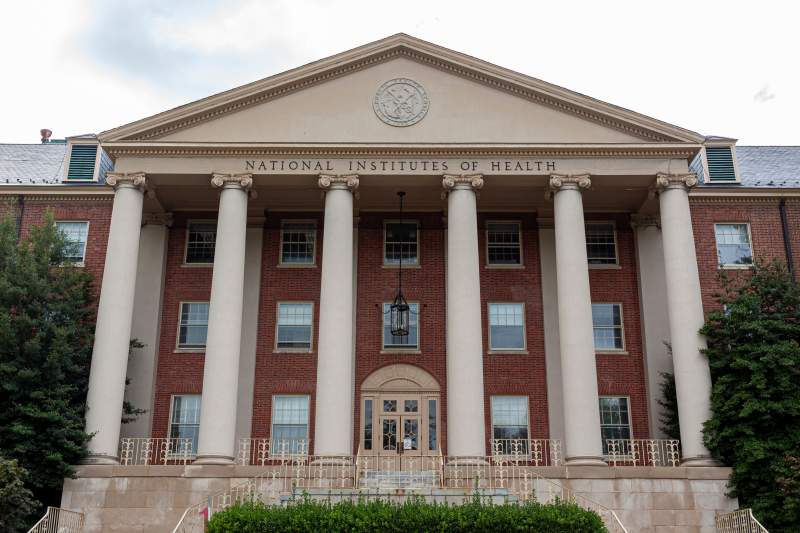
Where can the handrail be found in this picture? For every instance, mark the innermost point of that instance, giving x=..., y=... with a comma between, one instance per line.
x=738, y=521
x=60, y=520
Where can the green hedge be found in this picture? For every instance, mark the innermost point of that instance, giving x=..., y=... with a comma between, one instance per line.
x=411, y=516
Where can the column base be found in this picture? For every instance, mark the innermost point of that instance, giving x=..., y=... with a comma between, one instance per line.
x=701, y=460
x=213, y=460
x=100, y=459
x=585, y=460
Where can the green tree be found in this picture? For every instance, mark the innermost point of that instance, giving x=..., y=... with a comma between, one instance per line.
x=668, y=418
x=16, y=501
x=46, y=334
x=754, y=355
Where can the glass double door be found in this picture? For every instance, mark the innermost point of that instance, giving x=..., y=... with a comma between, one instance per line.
x=404, y=424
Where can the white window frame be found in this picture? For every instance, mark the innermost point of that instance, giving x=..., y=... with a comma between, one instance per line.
x=313, y=262
x=489, y=264
x=527, y=412
x=492, y=349
x=277, y=327
x=186, y=242
x=397, y=348
x=622, y=350
x=415, y=264
x=272, y=417
x=615, y=264
x=630, y=415
x=188, y=349
x=171, y=455
x=734, y=266
x=82, y=262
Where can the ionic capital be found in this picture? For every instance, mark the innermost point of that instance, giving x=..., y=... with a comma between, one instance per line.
x=222, y=180
x=136, y=180
x=675, y=181
x=327, y=182
x=569, y=181
x=462, y=181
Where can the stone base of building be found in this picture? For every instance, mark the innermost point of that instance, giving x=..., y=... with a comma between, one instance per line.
x=153, y=498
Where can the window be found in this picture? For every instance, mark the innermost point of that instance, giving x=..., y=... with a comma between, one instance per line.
x=297, y=243
x=294, y=326
x=733, y=244
x=503, y=243
x=506, y=327
x=184, y=423
x=75, y=233
x=607, y=325
x=614, y=419
x=432, y=442
x=509, y=423
x=367, y=424
x=410, y=341
x=601, y=243
x=289, y=424
x=193, y=326
x=200, y=240
x=400, y=240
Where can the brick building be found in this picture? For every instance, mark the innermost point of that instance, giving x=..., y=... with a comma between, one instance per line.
x=550, y=245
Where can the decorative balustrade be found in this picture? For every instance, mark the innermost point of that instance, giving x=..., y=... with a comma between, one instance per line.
x=56, y=520
x=533, y=452
x=263, y=452
x=643, y=452
x=139, y=451
x=738, y=521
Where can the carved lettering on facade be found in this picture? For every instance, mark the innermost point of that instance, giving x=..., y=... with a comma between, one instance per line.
x=400, y=166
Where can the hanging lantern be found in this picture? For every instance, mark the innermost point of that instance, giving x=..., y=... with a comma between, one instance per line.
x=400, y=311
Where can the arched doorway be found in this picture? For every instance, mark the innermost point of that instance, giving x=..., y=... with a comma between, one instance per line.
x=400, y=412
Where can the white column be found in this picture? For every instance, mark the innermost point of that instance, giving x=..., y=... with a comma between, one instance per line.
x=114, y=318
x=582, y=440
x=333, y=423
x=216, y=443
x=685, y=311
x=465, y=415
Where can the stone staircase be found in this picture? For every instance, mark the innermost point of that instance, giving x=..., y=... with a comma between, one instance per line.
x=398, y=495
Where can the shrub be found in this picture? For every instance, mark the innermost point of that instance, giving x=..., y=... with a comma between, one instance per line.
x=16, y=502
x=411, y=516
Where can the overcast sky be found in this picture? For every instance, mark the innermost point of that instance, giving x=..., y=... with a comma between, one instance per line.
x=719, y=68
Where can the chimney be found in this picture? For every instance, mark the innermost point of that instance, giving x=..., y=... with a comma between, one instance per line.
x=45, y=133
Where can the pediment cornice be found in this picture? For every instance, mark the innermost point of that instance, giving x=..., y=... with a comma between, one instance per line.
x=534, y=90
x=165, y=149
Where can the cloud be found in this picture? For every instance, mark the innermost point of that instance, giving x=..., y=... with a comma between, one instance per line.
x=763, y=95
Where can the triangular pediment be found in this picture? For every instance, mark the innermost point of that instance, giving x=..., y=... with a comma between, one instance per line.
x=466, y=101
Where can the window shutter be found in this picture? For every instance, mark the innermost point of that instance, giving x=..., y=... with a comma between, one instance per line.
x=720, y=164
x=81, y=162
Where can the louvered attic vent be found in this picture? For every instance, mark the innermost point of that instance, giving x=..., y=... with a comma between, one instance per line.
x=81, y=162
x=720, y=164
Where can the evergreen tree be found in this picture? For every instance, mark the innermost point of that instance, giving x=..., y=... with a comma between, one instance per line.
x=668, y=418
x=754, y=354
x=46, y=335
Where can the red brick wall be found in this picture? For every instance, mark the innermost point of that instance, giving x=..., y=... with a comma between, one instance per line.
x=623, y=374
x=178, y=372
x=424, y=285
x=508, y=374
x=95, y=210
x=765, y=230
x=284, y=373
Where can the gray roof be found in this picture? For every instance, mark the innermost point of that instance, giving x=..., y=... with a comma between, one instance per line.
x=769, y=166
x=32, y=164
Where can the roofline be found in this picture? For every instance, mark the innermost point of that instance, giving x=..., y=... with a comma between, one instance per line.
x=403, y=41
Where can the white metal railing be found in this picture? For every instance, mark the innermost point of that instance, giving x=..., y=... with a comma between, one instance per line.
x=141, y=451
x=738, y=521
x=262, y=451
x=282, y=476
x=643, y=452
x=56, y=520
x=535, y=452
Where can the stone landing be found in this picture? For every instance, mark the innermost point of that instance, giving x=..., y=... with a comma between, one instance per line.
x=153, y=498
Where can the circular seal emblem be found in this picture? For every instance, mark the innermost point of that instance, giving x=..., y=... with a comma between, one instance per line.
x=400, y=102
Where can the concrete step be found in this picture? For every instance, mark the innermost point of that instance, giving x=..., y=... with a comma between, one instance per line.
x=399, y=495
